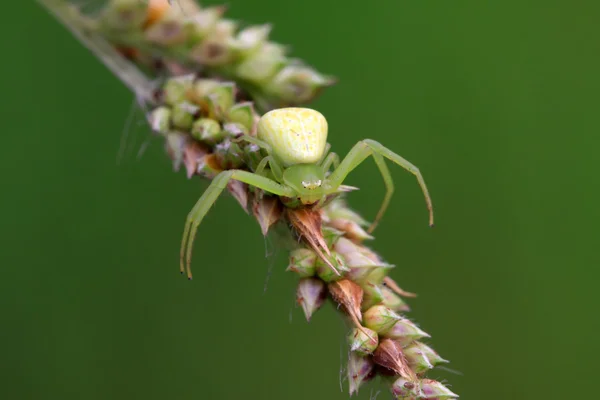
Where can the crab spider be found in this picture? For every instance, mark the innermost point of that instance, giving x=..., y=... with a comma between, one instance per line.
x=295, y=143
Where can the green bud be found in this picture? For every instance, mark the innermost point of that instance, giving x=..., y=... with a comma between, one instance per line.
x=235, y=129
x=325, y=272
x=183, y=115
x=431, y=389
x=207, y=130
x=302, y=262
x=380, y=318
x=262, y=64
x=244, y=114
x=310, y=295
x=351, y=228
x=362, y=343
x=338, y=209
x=252, y=38
x=203, y=87
x=405, y=332
x=417, y=359
x=360, y=370
x=160, y=120
x=298, y=84
x=215, y=49
x=176, y=90
x=404, y=388
x=379, y=273
x=372, y=295
x=422, y=357
x=221, y=98
x=205, y=20
x=124, y=15
x=331, y=235
x=392, y=301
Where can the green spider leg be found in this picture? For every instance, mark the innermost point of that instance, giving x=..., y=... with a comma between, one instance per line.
x=359, y=153
x=208, y=198
x=273, y=163
x=331, y=159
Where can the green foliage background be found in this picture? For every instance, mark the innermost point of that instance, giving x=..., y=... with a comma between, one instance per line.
x=496, y=102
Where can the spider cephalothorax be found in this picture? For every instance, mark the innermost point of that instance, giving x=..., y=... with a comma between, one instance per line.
x=296, y=165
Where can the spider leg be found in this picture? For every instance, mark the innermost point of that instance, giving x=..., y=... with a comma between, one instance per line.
x=275, y=165
x=208, y=198
x=331, y=159
x=366, y=148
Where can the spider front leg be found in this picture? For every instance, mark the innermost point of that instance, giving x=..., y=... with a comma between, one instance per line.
x=366, y=148
x=208, y=198
x=331, y=159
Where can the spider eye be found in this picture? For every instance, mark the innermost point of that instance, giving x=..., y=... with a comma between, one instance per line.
x=305, y=184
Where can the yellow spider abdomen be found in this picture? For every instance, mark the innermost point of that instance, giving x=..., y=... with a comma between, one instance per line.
x=296, y=135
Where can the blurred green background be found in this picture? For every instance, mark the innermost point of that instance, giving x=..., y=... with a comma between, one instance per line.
x=496, y=102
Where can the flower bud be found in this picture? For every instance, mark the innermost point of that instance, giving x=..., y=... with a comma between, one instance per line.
x=331, y=235
x=244, y=114
x=124, y=15
x=160, y=120
x=235, y=129
x=183, y=115
x=298, y=84
x=352, y=229
x=168, y=30
x=205, y=20
x=221, y=98
x=324, y=270
x=252, y=38
x=431, y=389
x=363, y=341
x=392, y=300
x=389, y=355
x=372, y=295
x=404, y=388
x=311, y=294
x=422, y=357
x=338, y=209
x=202, y=88
x=360, y=265
x=417, y=360
x=302, y=262
x=262, y=64
x=176, y=90
x=360, y=370
x=405, y=332
x=207, y=130
x=380, y=318
x=215, y=49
